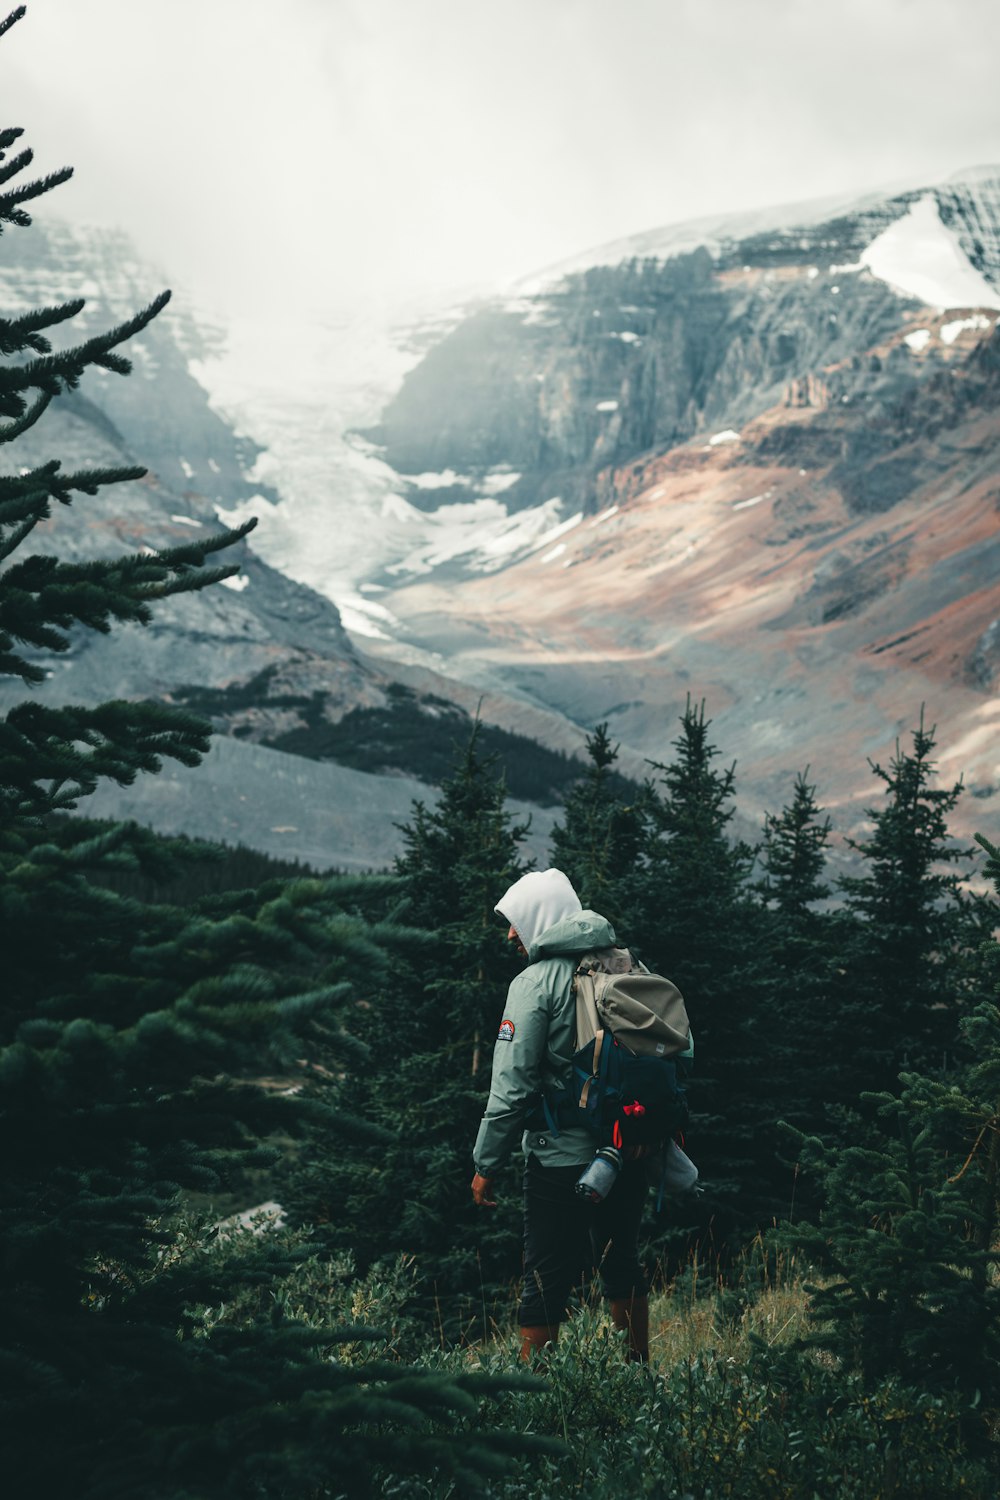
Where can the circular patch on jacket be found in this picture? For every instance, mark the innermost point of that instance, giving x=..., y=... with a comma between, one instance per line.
x=506, y=1032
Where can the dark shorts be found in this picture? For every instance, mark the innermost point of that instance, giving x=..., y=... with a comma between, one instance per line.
x=564, y=1236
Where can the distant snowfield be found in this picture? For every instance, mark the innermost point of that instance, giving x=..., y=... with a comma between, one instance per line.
x=343, y=519
x=297, y=390
x=921, y=256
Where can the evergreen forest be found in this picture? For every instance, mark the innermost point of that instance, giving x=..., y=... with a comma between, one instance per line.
x=238, y=1100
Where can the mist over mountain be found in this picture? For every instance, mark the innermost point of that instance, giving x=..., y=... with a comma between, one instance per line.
x=753, y=459
x=266, y=658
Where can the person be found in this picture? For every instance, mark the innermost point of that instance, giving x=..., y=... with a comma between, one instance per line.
x=533, y=1054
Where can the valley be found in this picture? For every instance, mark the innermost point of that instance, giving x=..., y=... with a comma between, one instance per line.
x=755, y=461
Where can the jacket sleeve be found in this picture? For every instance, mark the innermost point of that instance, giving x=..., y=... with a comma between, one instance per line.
x=518, y=1060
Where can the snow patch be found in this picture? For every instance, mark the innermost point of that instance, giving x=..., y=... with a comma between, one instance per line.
x=442, y=481
x=365, y=617
x=729, y=436
x=188, y=471
x=950, y=331
x=607, y=406
x=480, y=532
x=921, y=257
x=813, y=272
x=918, y=339
x=497, y=480
x=237, y=583
x=185, y=521
x=554, y=552
x=754, y=500
x=627, y=337
x=605, y=515
x=532, y=312
x=857, y=265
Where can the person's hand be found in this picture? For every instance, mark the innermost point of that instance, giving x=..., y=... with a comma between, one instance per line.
x=481, y=1188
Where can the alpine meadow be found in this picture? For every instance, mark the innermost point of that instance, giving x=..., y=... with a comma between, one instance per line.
x=239, y=1089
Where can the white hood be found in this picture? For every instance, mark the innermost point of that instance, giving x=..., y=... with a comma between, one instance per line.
x=537, y=902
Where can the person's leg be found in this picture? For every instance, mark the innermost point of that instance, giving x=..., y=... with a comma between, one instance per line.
x=555, y=1240
x=615, y=1238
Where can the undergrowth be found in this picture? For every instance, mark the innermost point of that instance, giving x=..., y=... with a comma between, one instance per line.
x=729, y=1406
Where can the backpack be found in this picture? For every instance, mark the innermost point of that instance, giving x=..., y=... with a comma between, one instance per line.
x=632, y=1052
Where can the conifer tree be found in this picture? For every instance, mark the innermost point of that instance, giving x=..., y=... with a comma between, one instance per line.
x=909, y=1287
x=136, y=1041
x=907, y=1239
x=700, y=926
x=914, y=925
x=908, y=1234
x=794, y=853
x=430, y=1035
x=800, y=955
x=599, y=841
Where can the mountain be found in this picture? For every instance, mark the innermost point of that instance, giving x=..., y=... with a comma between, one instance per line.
x=754, y=460
x=757, y=461
x=265, y=657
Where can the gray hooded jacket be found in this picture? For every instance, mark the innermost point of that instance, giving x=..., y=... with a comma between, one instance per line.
x=535, y=1042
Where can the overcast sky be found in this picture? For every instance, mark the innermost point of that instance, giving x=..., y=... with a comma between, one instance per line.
x=327, y=150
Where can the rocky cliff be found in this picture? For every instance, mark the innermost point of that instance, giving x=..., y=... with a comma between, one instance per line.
x=769, y=465
x=563, y=386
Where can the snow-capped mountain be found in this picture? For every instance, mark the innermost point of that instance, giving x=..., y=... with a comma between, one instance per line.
x=757, y=461
x=754, y=459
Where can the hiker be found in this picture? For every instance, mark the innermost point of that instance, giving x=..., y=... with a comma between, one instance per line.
x=532, y=1054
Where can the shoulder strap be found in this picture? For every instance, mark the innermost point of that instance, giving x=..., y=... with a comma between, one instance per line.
x=588, y=1023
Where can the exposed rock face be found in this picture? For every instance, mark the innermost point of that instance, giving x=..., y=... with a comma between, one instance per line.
x=569, y=384
x=785, y=447
x=159, y=413
x=776, y=456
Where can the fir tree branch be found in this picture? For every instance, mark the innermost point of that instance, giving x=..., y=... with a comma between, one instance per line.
x=5, y=25
x=65, y=368
x=17, y=164
x=30, y=190
x=19, y=535
x=21, y=424
x=15, y=331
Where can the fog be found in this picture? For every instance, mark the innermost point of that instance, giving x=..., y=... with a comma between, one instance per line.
x=380, y=149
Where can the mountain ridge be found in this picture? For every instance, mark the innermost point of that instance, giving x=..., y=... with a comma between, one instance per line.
x=768, y=474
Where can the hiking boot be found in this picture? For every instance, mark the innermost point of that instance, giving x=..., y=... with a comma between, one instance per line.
x=631, y=1315
x=535, y=1338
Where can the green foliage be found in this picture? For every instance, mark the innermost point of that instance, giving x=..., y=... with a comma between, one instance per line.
x=430, y=1032
x=913, y=926
x=775, y=1424
x=148, y=1050
x=599, y=842
x=910, y=1285
x=50, y=757
x=794, y=853
x=908, y=1234
x=697, y=921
